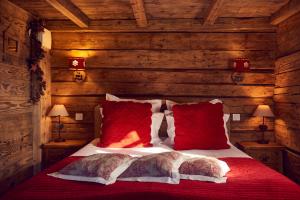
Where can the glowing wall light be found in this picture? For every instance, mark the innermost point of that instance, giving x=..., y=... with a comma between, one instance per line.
x=78, y=65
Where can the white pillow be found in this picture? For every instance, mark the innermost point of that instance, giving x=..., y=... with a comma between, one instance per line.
x=161, y=167
x=156, y=103
x=99, y=168
x=204, y=169
x=157, y=117
x=171, y=124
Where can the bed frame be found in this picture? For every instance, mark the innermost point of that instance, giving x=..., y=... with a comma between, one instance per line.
x=163, y=129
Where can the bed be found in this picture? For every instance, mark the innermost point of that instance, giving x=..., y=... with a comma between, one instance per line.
x=248, y=179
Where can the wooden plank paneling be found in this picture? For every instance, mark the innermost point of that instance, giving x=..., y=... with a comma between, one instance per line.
x=287, y=87
x=288, y=63
x=242, y=8
x=288, y=36
x=145, y=41
x=91, y=101
x=288, y=79
x=287, y=98
x=240, y=131
x=94, y=88
x=179, y=65
x=16, y=125
x=213, y=12
x=288, y=136
x=139, y=12
x=163, y=76
x=164, y=59
x=288, y=10
x=260, y=24
x=159, y=9
x=288, y=114
x=72, y=12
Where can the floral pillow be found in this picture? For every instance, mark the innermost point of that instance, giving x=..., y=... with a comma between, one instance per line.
x=161, y=167
x=204, y=169
x=99, y=168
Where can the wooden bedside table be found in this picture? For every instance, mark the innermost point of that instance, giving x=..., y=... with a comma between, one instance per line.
x=270, y=154
x=53, y=152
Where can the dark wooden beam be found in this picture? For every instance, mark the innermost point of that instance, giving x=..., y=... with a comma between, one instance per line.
x=288, y=10
x=213, y=12
x=139, y=12
x=67, y=8
x=170, y=25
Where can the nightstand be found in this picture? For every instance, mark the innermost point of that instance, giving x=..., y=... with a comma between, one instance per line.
x=269, y=154
x=53, y=152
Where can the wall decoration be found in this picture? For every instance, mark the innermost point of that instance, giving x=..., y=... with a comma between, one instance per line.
x=79, y=76
x=240, y=66
x=38, y=84
x=78, y=65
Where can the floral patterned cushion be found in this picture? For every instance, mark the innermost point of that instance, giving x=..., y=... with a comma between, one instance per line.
x=161, y=167
x=205, y=169
x=100, y=168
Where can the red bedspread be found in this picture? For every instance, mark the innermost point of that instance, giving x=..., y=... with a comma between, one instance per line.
x=248, y=179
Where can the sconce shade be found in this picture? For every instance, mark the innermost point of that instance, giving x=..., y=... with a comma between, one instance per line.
x=77, y=63
x=263, y=111
x=58, y=110
x=241, y=64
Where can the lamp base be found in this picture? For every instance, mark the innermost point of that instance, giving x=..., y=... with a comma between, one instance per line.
x=59, y=140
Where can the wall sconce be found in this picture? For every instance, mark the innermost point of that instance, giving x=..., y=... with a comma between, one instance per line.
x=78, y=65
x=240, y=65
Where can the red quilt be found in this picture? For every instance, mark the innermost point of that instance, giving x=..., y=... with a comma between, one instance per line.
x=248, y=179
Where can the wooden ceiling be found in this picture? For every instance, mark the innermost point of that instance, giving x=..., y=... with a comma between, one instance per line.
x=92, y=14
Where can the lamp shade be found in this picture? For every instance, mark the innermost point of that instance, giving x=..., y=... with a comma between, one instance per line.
x=241, y=64
x=263, y=111
x=77, y=63
x=58, y=110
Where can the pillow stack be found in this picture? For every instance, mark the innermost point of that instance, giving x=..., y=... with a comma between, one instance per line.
x=168, y=167
x=131, y=123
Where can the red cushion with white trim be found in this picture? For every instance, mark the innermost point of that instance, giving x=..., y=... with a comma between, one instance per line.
x=199, y=126
x=126, y=124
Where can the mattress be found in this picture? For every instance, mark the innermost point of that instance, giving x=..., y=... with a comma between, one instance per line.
x=248, y=179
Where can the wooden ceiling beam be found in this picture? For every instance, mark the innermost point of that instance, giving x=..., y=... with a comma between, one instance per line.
x=72, y=12
x=213, y=12
x=288, y=10
x=139, y=12
x=167, y=25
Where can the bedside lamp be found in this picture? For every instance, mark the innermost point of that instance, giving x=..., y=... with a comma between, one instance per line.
x=263, y=111
x=59, y=110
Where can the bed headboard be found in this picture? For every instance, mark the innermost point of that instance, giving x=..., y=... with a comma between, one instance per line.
x=163, y=131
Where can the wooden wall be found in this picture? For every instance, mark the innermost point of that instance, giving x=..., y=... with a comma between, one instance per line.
x=16, y=113
x=287, y=93
x=22, y=126
x=169, y=65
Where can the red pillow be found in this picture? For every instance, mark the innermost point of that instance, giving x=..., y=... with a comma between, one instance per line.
x=126, y=124
x=199, y=126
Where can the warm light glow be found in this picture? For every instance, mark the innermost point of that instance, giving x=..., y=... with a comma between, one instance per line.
x=80, y=53
x=132, y=138
x=58, y=110
x=263, y=111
